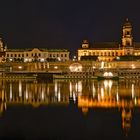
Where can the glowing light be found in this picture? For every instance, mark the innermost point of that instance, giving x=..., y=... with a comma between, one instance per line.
x=42, y=59
x=26, y=93
x=75, y=67
x=59, y=97
x=133, y=66
x=59, y=59
x=108, y=74
x=117, y=96
x=74, y=97
x=55, y=88
x=110, y=84
x=79, y=86
x=25, y=60
x=102, y=93
x=102, y=65
x=70, y=87
x=99, y=98
x=93, y=90
x=20, y=67
x=132, y=89
x=11, y=91
x=135, y=101
x=20, y=88
x=55, y=67
x=42, y=93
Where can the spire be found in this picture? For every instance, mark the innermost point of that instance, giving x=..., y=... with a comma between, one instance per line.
x=127, y=19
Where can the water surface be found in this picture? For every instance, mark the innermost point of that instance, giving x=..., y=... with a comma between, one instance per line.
x=72, y=110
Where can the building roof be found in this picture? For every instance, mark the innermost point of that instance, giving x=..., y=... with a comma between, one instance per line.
x=41, y=49
x=105, y=46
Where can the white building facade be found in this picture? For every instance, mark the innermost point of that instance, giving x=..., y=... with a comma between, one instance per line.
x=36, y=55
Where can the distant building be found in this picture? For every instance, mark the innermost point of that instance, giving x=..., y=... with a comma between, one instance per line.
x=3, y=49
x=108, y=51
x=36, y=55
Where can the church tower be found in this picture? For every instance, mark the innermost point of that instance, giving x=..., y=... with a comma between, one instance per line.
x=127, y=38
x=2, y=48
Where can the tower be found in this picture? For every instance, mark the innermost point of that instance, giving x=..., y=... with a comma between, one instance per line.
x=85, y=44
x=127, y=38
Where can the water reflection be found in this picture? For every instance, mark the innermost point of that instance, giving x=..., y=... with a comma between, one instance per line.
x=107, y=94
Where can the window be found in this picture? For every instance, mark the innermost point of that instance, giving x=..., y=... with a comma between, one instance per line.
x=32, y=54
x=57, y=55
x=61, y=55
x=18, y=55
x=50, y=55
x=127, y=33
x=22, y=55
x=39, y=54
x=104, y=53
x=26, y=54
x=15, y=55
x=116, y=53
x=11, y=55
x=65, y=55
x=7, y=55
x=128, y=43
x=112, y=53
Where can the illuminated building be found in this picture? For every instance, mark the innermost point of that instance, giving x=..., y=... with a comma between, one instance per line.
x=108, y=51
x=36, y=55
x=3, y=49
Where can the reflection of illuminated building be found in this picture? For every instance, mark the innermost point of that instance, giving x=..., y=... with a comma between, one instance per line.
x=34, y=94
x=88, y=94
x=85, y=103
x=126, y=119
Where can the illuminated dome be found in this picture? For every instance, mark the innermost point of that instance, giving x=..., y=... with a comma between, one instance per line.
x=76, y=67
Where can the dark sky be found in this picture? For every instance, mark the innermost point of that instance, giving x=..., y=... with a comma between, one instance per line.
x=65, y=23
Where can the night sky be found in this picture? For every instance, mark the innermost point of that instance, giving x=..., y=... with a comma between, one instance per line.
x=65, y=23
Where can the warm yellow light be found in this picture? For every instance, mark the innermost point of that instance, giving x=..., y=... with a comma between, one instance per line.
x=20, y=67
x=55, y=67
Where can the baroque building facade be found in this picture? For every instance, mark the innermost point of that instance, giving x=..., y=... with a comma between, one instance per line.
x=36, y=55
x=108, y=51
